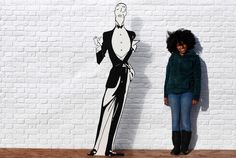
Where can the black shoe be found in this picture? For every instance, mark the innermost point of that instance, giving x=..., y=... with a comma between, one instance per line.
x=185, y=141
x=176, y=140
x=112, y=153
x=92, y=152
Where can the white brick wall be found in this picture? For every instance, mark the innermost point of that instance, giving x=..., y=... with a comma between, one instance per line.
x=51, y=87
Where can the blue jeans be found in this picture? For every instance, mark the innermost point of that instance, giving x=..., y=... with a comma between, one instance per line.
x=181, y=105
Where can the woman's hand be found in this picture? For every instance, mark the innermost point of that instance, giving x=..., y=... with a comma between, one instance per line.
x=166, y=101
x=194, y=102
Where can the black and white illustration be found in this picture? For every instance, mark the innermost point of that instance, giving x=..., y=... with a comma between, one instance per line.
x=119, y=43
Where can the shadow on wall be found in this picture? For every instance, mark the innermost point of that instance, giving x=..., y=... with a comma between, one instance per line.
x=204, y=99
x=138, y=89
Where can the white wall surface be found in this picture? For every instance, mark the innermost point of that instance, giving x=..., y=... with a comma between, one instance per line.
x=51, y=86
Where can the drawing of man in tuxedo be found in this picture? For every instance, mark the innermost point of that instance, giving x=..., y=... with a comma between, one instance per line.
x=120, y=44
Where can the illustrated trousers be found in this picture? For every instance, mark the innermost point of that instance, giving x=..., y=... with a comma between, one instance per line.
x=112, y=106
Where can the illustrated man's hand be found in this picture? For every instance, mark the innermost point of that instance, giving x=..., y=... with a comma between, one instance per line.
x=131, y=73
x=194, y=102
x=134, y=44
x=98, y=41
x=166, y=101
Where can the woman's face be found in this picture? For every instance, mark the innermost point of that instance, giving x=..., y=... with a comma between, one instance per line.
x=181, y=47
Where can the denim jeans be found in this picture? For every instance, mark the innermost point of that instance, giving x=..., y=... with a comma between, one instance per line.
x=181, y=105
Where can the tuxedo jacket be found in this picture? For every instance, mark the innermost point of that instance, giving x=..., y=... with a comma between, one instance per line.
x=115, y=72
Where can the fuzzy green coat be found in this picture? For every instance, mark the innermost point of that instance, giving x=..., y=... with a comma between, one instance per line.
x=183, y=74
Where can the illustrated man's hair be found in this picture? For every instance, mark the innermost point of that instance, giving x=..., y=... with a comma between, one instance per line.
x=181, y=36
x=121, y=4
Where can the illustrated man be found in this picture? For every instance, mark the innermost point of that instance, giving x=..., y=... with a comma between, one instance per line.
x=120, y=44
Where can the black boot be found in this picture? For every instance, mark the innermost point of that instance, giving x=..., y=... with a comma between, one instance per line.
x=176, y=140
x=185, y=141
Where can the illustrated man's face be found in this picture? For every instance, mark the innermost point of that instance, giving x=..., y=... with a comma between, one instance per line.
x=120, y=10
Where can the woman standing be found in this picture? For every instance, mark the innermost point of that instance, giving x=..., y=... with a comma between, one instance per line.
x=182, y=86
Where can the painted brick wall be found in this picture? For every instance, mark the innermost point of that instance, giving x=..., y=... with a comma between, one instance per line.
x=51, y=87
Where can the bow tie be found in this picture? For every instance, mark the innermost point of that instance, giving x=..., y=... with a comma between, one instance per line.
x=119, y=27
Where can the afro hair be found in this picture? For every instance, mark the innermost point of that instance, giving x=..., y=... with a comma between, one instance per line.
x=180, y=36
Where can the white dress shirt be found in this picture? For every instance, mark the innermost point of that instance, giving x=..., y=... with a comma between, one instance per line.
x=120, y=42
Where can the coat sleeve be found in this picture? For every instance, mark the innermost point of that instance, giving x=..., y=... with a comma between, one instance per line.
x=167, y=78
x=197, y=78
x=101, y=54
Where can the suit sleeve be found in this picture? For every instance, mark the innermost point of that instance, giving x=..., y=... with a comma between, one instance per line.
x=197, y=78
x=101, y=54
x=133, y=36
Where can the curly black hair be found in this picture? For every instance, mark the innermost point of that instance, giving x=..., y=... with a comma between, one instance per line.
x=180, y=36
